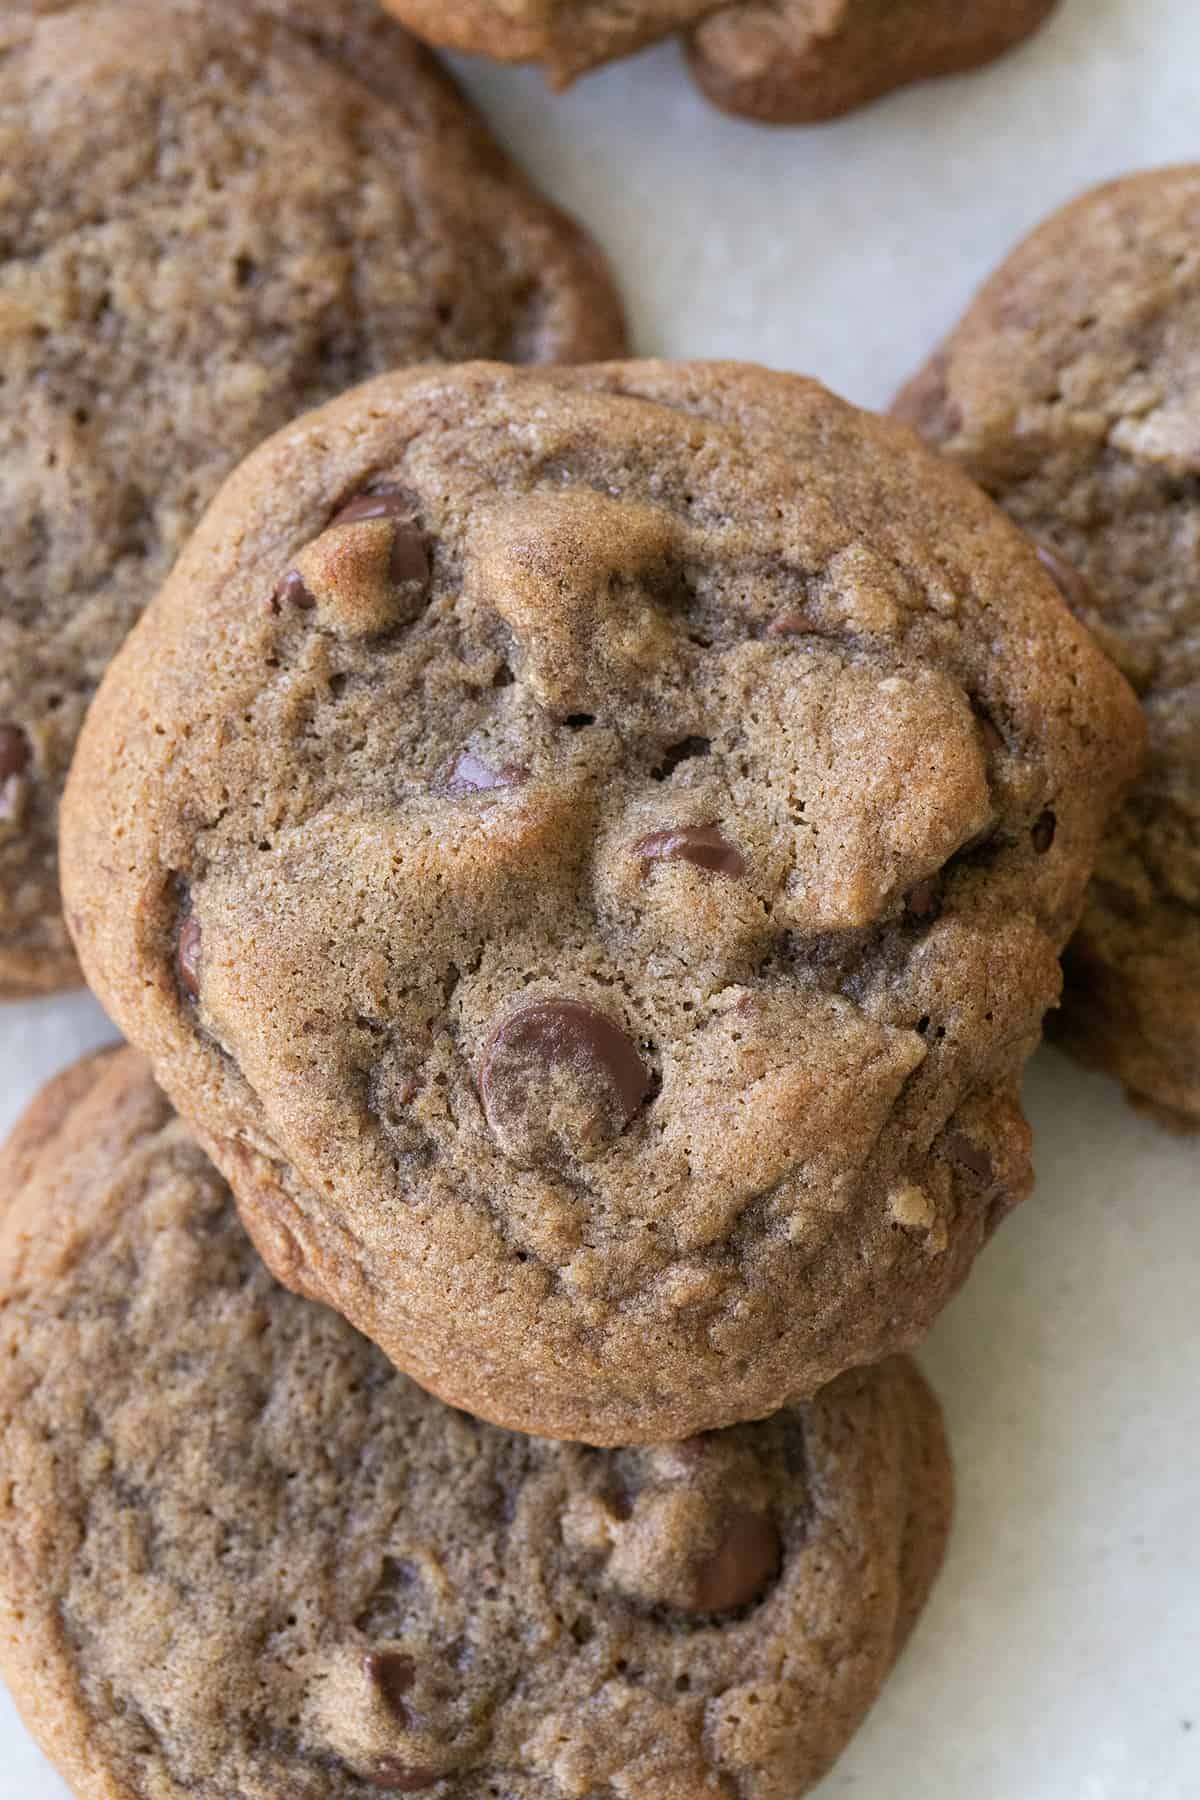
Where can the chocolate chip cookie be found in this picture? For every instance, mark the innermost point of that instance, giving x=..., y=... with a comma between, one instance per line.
x=213, y=214
x=1071, y=391
x=240, y=1554
x=783, y=61
x=589, y=851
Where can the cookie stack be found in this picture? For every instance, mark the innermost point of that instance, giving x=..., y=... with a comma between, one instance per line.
x=581, y=855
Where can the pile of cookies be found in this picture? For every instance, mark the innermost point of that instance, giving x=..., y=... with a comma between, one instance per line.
x=581, y=853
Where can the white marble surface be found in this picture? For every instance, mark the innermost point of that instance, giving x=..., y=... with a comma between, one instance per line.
x=1060, y=1658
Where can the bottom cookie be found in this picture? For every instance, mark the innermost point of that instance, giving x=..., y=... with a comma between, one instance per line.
x=240, y=1554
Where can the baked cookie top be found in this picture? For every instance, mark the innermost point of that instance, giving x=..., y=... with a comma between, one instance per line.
x=1071, y=391
x=213, y=214
x=589, y=851
x=786, y=61
x=241, y=1554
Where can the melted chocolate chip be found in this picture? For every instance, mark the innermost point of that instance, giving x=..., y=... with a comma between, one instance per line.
x=555, y=1065
x=187, y=957
x=410, y=557
x=470, y=776
x=1066, y=578
x=291, y=592
x=404, y=1778
x=702, y=845
x=970, y=1157
x=14, y=752
x=1043, y=832
x=391, y=1674
x=744, y=1563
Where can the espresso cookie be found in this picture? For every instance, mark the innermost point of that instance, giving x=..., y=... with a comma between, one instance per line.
x=213, y=214
x=589, y=852
x=1071, y=391
x=240, y=1554
x=787, y=62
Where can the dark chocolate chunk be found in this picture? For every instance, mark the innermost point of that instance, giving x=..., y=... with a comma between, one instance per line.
x=188, y=956
x=558, y=1070
x=702, y=845
x=410, y=556
x=745, y=1562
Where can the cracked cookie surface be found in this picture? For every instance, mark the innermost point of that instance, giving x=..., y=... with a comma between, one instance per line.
x=782, y=61
x=1069, y=391
x=213, y=215
x=241, y=1554
x=602, y=962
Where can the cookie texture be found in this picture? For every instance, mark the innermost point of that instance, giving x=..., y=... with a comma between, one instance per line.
x=213, y=214
x=241, y=1554
x=1071, y=391
x=783, y=61
x=589, y=851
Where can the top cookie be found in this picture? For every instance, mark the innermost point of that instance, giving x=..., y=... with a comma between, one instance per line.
x=786, y=62
x=242, y=1558
x=213, y=214
x=1071, y=391
x=589, y=850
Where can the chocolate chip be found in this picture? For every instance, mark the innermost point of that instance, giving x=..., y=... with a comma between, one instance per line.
x=556, y=1070
x=410, y=558
x=744, y=1563
x=404, y=1778
x=14, y=752
x=1043, y=832
x=391, y=1674
x=921, y=901
x=188, y=956
x=471, y=776
x=291, y=592
x=702, y=845
x=970, y=1157
x=1066, y=578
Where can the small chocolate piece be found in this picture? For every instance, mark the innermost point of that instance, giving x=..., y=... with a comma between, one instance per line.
x=410, y=558
x=404, y=1778
x=188, y=956
x=559, y=1068
x=1043, y=832
x=702, y=845
x=970, y=1157
x=291, y=592
x=470, y=776
x=1066, y=578
x=391, y=1674
x=14, y=752
x=744, y=1563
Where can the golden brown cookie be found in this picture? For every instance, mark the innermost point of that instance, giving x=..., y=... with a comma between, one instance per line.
x=1071, y=391
x=213, y=214
x=242, y=1555
x=783, y=61
x=589, y=851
